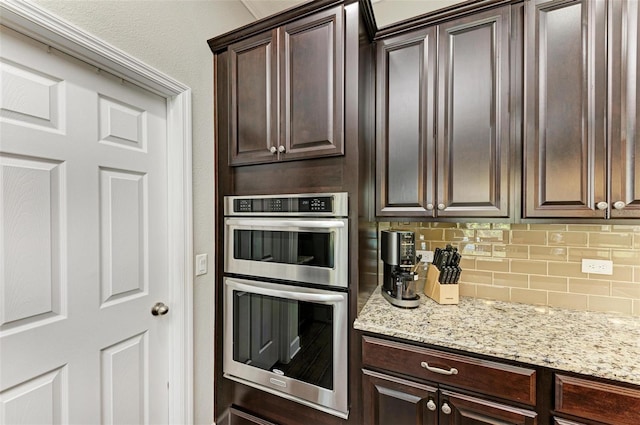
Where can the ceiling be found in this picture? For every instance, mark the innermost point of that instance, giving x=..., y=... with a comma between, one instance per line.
x=386, y=11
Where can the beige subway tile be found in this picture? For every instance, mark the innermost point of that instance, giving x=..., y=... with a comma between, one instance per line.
x=634, y=228
x=528, y=296
x=549, y=283
x=529, y=267
x=577, y=254
x=432, y=234
x=529, y=237
x=565, y=270
x=630, y=258
x=475, y=276
x=501, y=226
x=492, y=264
x=610, y=304
x=555, y=253
x=636, y=274
x=636, y=307
x=475, y=226
x=566, y=300
x=590, y=286
x=569, y=238
x=492, y=236
x=510, y=251
x=468, y=263
x=478, y=249
x=519, y=226
x=589, y=228
x=442, y=225
x=622, y=273
x=636, y=241
x=625, y=289
x=543, y=226
x=611, y=240
x=467, y=289
x=493, y=292
x=511, y=279
x=460, y=235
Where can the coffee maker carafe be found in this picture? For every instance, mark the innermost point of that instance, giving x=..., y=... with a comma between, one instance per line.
x=398, y=253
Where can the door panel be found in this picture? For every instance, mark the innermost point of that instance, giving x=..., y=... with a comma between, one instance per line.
x=405, y=116
x=253, y=70
x=624, y=85
x=467, y=410
x=473, y=116
x=83, y=242
x=565, y=100
x=312, y=87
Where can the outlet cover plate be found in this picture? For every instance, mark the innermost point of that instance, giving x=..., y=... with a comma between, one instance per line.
x=597, y=266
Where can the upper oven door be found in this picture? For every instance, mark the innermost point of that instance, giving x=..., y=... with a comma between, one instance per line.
x=296, y=249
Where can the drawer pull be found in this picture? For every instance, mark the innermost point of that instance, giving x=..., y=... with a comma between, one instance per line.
x=452, y=371
x=446, y=409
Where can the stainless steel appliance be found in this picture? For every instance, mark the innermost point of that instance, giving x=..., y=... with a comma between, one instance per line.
x=285, y=297
x=398, y=254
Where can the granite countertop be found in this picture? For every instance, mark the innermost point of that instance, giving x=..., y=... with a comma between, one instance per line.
x=591, y=343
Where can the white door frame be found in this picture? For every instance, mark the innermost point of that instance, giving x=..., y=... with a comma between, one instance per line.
x=37, y=23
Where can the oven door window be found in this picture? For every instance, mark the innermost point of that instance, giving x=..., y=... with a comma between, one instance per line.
x=286, y=247
x=287, y=337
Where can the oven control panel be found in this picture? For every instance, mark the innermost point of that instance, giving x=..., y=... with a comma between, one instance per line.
x=284, y=205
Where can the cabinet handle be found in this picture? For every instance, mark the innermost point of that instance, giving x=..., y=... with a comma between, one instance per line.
x=273, y=149
x=431, y=405
x=619, y=205
x=452, y=371
x=441, y=207
x=446, y=409
x=602, y=205
x=281, y=149
x=429, y=207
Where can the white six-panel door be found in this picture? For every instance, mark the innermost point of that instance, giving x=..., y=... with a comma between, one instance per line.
x=83, y=251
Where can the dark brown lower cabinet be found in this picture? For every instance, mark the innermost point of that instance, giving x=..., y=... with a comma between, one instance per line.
x=461, y=409
x=239, y=417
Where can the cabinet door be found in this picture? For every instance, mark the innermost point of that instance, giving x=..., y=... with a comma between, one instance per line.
x=312, y=67
x=460, y=409
x=405, y=124
x=253, y=115
x=238, y=417
x=624, y=85
x=395, y=401
x=473, y=116
x=565, y=99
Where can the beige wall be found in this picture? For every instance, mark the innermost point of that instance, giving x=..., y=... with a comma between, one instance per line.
x=171, y=36
x=541, y=263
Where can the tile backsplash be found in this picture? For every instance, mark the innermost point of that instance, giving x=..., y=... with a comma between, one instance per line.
x=541, y=263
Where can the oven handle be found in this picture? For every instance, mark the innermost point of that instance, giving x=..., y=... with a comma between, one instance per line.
x=299, y=296
x=317, y=224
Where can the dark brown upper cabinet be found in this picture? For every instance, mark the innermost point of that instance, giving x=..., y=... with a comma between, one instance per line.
x=581, y=97
x=442, y=122
x=287, y=91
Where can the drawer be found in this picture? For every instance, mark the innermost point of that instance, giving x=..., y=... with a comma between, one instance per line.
x=487, y=377
x=607, y=403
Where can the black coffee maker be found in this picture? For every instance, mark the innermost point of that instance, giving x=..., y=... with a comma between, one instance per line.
x=398, y=253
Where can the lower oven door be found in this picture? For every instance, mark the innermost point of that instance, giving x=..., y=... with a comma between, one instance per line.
x=287, y=340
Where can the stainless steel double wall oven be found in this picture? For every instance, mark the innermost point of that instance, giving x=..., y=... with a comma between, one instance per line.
x=285, y=296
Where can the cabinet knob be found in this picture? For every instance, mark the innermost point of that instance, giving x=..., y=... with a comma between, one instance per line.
x=431, y=405
x=446, y=409
x=281, y=149
x=441, y=207
x=273, y=149
x=429, y=207
x=602, y=205
x=619, y=205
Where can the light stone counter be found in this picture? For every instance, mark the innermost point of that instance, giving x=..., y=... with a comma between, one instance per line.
x=591, y=343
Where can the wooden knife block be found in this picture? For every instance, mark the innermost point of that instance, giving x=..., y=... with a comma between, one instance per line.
x=442, y=294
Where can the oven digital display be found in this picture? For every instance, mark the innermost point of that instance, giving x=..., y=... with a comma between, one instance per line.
x=323, y=204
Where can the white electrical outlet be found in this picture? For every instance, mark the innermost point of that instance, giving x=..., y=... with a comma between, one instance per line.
x=427, y=256
x=597, y=266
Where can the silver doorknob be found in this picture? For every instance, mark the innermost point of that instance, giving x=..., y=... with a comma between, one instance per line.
x=441, y=207
x=446, y=409
x=602, y=205
x=429, y=207
x=281, y=149
x=431, y=405
x=619, y=205
x=273, y=149
x=159, y=309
